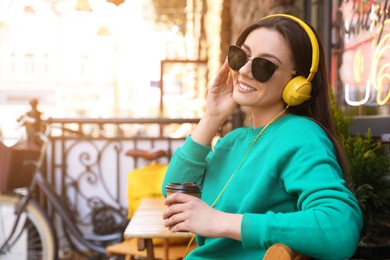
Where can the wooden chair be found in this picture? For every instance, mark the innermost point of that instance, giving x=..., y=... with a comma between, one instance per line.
x=283, y=252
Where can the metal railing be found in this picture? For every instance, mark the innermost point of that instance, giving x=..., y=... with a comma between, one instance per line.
x=87, y=162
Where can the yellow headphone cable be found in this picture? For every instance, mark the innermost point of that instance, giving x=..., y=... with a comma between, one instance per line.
x=238, y=167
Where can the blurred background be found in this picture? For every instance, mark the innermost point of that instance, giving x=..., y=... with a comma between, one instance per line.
x=155, y=58
x=101, y=59
x=114, y=76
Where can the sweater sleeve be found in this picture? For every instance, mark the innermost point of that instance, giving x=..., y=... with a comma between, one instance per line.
x=188, y=164
x=327, y=221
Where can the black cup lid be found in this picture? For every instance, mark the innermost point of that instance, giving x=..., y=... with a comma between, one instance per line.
x=188, y=187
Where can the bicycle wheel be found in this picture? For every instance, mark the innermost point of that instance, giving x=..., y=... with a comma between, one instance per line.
x=34, y=237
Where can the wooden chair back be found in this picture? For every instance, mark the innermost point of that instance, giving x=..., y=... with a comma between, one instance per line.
x=283, y=252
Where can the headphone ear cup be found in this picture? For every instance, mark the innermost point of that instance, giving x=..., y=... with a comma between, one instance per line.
x=297, y=91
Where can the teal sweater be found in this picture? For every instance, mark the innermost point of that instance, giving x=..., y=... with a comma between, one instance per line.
x=290, y=189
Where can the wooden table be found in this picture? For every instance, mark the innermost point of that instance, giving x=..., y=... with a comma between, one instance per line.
x=147, y=223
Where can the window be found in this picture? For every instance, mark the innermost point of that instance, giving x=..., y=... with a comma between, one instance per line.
x=29, y=61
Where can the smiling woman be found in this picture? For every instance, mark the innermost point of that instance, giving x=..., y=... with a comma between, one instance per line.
x=289, y=158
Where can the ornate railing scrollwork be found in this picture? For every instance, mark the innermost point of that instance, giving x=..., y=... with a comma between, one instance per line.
x=90, y=171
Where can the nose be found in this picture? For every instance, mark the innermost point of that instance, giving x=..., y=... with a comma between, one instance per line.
x=247, y=69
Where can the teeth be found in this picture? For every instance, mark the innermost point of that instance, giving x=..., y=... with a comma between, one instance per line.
x=245, y=87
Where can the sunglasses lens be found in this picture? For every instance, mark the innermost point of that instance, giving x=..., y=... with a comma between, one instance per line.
x=237, y=58
x=262, y=69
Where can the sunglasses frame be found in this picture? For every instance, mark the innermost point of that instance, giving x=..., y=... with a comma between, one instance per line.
x=253, y=66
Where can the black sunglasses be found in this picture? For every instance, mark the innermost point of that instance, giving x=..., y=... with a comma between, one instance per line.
x=262, y=69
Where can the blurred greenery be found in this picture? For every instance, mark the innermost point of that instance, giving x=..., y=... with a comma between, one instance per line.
x=368, y=176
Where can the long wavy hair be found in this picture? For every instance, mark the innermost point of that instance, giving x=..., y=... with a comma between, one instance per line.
x=318, y=107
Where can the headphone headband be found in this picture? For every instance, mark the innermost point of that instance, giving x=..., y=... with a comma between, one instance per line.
x=313, y=40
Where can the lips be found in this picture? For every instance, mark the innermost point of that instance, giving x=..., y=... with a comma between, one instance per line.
x=245, y=88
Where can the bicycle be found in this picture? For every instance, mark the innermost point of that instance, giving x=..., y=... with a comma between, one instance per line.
x=25, y=229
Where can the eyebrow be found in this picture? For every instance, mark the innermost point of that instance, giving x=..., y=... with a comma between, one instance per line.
x=266, y=55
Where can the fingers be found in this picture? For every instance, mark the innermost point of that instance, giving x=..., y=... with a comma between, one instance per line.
x=171, y=210
x=175, y=203
x=176, y=222
x=225, y=71
x=173, y=217
x=229, y=82
x=178, y=210
x=179, y=227
x=222, y=75
x=178, y=198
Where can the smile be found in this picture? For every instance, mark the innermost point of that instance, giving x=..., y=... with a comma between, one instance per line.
x=245, y=87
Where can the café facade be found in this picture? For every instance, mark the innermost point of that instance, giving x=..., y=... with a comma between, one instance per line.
x=363, y=71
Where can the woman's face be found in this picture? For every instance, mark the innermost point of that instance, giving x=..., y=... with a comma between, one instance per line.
x=268, y=44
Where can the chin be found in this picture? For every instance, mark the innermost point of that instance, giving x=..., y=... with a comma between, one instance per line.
x=242, y=101
x=237, y=100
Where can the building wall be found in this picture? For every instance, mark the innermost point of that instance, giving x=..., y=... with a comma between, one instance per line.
x=56, y=56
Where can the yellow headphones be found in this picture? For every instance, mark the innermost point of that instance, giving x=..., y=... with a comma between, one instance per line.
x=298, y=89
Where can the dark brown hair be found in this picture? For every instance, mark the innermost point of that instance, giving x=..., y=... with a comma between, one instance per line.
x=317, y=108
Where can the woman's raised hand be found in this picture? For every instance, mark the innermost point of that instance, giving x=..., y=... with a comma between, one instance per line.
x=220, y=102
x=219, y=106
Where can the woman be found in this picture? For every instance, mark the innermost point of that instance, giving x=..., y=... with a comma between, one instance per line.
x=280, y=180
